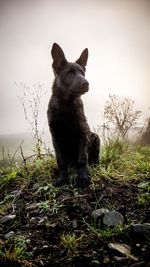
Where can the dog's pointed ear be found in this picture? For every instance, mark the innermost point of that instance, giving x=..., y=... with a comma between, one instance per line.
x=58, y=56
x=82, y=61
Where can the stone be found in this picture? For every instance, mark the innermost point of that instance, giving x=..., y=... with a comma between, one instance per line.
x=141, y=229
x=35, y=187
x=31, y=207
x=113, y=218
x=95, y=263
x=141, y=264
x=98, y=213
x=9, y=235
x=74, y=224
x=7, y=218
x=117, y=258
x=34, y=220
x=41, y=221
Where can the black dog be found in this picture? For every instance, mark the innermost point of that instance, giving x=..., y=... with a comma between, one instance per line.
x=73, y=141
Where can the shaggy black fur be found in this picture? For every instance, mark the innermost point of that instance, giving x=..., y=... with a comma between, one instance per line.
x=73, y=141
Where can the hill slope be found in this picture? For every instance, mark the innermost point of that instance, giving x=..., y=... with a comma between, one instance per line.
x=41, y=225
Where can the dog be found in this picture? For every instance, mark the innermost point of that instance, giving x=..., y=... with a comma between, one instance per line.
x=74, y=143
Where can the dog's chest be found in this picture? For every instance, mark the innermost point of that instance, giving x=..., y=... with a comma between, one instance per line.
x=68, y=119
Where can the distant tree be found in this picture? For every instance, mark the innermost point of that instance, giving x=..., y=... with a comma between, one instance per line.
x=120, y=112
x=145, y=135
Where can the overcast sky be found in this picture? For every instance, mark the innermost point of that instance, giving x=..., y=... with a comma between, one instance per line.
x=117, y=34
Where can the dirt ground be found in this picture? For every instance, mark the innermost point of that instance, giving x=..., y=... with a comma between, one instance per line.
x=58, y=230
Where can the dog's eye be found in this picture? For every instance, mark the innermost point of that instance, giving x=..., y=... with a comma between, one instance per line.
x=71, y=72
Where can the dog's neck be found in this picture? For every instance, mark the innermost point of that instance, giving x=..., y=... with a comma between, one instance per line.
x=59, y=84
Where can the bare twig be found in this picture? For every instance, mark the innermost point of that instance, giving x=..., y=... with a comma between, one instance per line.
x=13, y=157
x=30, y=101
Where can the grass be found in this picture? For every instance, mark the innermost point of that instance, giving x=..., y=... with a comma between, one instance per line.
x=102, y=232
x=28, y=191
x=15, y=251
x=123, y=161
x=37, y=170
x=49, y=206
x=71, y=243
x=144, y=199
x=118, y=160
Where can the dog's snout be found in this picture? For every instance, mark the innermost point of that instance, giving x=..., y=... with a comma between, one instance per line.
x=84, y=84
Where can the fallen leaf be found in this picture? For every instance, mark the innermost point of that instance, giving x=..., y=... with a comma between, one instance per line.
x=123, y=249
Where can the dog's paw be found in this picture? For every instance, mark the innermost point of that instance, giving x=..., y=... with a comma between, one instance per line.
x=83, y=179
x=62, y=179
x=60, y=182
x=83, y=182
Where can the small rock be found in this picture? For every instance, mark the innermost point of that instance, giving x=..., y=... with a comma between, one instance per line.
x=106, y=259
x=53, y=225
x=97, y=214
x=119, y=258
x=113, y=218
x=41, y=221
x=74, y=224
x=35, y=187
x=9, y=235
x=45, y=246
x=32, y=206
x=141, y=264
x=141, y=229
x=95, y=263
x=34, y=220
x=7, y=218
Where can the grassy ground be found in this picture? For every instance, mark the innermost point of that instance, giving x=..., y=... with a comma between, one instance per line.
x=54, y=227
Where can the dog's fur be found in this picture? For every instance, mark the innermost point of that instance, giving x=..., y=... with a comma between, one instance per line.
x=73, y=141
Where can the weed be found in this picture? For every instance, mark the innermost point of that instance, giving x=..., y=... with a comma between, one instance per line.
x=55, y=207
x=49, y=190
x=6, y=203
x=43, y=205
x=52, y=207
x=71, y=243
x=6, y=177
x=144, y=199
x=144, y=185
x=16, y=250
x=103, y=233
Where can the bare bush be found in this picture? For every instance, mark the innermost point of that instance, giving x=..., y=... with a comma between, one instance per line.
x=31, y=100
x=121, y=114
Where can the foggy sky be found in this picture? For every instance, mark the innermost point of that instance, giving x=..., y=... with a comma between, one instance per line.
x=117, y=34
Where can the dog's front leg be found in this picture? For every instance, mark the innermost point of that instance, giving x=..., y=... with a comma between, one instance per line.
x=62, y=165
x=82, y=163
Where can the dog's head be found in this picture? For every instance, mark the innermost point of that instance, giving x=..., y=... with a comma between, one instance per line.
x=70, y=77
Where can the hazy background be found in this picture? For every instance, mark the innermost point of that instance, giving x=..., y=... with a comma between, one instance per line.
x=117, y=34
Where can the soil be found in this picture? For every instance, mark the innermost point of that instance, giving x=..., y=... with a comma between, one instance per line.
x=44, y=215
